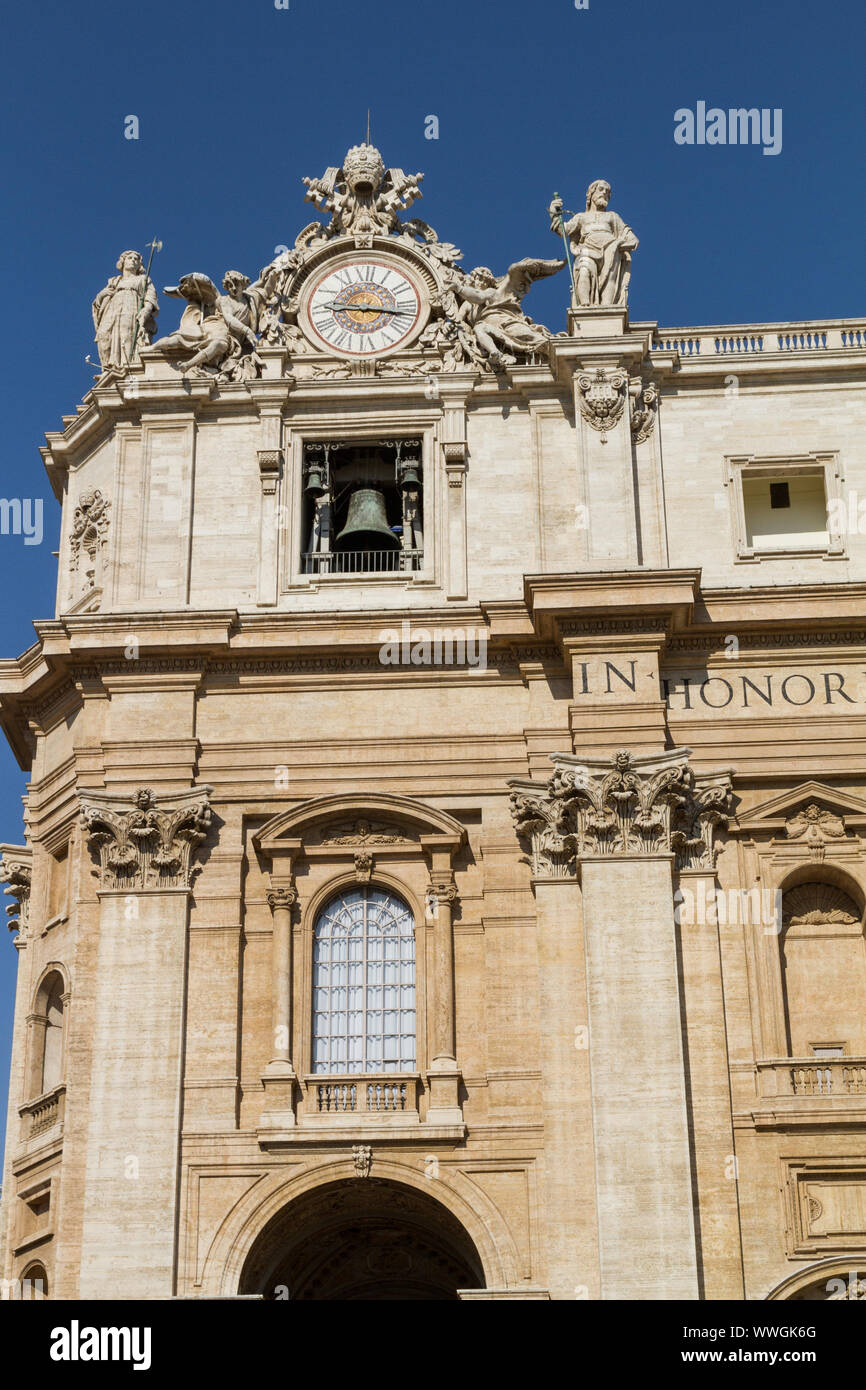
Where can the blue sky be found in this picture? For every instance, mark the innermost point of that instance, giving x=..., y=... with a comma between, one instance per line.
x=236, y=102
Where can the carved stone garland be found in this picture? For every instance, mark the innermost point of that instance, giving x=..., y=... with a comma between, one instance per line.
x=144, y=843
x=644, y=806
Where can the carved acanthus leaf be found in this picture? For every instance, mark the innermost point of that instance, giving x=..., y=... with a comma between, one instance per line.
x=143, y=842
x=647, y=806
x=16, y=871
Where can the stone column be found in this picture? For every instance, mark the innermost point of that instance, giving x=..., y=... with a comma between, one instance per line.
x=279, y=1076
x=708, y=1068
x=443, y=1073
x=624, y=824
x=16, y=871
x=569, y=1214
x=129, y=1226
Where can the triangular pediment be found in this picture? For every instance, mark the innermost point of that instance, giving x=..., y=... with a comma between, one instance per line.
x=773, y=814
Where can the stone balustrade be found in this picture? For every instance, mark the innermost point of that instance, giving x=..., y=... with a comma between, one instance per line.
x=813, y=1076
x=364, y=1095
x=43, y=1113
x=731, y=340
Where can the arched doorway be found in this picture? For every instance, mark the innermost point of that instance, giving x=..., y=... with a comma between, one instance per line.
x=362, y=1240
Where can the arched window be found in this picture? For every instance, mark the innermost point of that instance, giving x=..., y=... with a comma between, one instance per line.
x=34, y=1283
x=46, y=1069
x=364, y=984
x=823, y=972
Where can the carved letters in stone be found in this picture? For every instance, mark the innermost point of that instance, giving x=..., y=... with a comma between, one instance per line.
x=646, y=805
x=143, y=842
x=601, y=396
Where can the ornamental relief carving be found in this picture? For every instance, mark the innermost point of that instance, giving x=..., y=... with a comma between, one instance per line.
x=644, y=408
x=601, y=396
x=16, y=871
x=644, y=806
x=364, y=832
x=814, y=826
x=143, y=842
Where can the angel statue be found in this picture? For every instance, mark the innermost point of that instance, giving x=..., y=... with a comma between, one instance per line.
x=601, y=244
x=498, y=320
x=220, y=329
x=124, y=313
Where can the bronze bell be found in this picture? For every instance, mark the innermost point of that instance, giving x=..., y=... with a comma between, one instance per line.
x=315, y=486
x=367, y=526
x=409, y=478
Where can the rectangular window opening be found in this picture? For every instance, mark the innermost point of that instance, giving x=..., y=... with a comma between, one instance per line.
x=786, y=512
x=363, y=507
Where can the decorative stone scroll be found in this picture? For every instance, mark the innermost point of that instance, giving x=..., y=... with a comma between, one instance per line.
x=644, y=408
x=144, y=843
x=285, y=898
x=624, y=806
x=16, y=871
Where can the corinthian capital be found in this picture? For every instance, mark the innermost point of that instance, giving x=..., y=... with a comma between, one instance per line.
x=144, y=842
x=540, y=821
x=624, y=805
x=16, y=871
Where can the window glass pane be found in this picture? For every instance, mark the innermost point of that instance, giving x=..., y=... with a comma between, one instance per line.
x=364, y=984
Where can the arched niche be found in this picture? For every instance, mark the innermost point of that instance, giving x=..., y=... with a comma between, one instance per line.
x=823, y=963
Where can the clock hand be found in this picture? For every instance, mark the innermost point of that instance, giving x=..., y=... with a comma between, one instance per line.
x=364, y=309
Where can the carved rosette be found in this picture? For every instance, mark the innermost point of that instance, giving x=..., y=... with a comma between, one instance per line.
x=602, y=395
x=644, y=806
x=16, y=871
x=144, y=842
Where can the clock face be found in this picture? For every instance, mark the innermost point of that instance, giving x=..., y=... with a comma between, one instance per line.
x=362, y=307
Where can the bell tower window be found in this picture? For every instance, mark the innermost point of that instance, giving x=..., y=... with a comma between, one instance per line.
x=363, y=507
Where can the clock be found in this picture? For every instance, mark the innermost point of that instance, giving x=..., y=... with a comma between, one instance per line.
x=363, y=306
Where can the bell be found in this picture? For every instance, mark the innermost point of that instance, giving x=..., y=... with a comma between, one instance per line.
x=315, y=486
x=409, y=479
x=367, y=526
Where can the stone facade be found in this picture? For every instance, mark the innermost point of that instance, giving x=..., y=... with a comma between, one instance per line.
x=631, y=838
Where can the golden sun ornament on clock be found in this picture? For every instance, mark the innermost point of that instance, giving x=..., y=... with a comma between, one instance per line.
x=363, y=306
